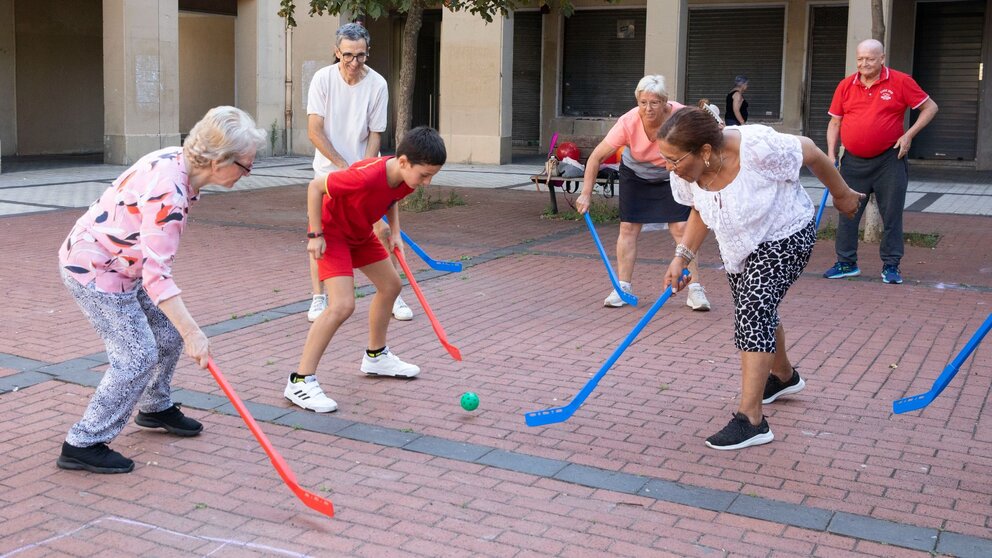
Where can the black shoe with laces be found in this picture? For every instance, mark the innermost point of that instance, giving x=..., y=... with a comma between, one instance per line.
x=740, y=433
x=96, y=459
x=775, y=388
x=171, y=419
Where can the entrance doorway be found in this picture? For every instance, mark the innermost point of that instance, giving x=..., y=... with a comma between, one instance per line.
x=947, y=65
x=428, y=80
x=824, y=68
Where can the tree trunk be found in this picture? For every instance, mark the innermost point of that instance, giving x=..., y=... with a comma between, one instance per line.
x=408, y=68
x=873, y=219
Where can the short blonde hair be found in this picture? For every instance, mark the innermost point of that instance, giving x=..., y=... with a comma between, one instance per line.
x=652, y=84
x=223, y=135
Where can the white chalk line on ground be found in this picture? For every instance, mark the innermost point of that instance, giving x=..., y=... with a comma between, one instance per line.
x=220, y=541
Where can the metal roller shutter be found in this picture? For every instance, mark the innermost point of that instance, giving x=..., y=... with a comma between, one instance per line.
x=726, y=42
x=599, y=70
x=825, y=66
x=948, y=54
x=527, y=78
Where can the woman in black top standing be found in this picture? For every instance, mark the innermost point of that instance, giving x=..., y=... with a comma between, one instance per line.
x=736, y=113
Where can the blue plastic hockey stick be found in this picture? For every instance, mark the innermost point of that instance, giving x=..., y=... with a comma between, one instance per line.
x=819, y=211
x=561, y=414
x=624, y=295
x=439, y=265
x=915, y=402
x=823, y=201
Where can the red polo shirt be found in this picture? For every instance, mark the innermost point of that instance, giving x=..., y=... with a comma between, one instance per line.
x=872, y=117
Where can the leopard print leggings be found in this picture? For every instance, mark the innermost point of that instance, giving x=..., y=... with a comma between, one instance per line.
x=143, y=348
x=757, y=291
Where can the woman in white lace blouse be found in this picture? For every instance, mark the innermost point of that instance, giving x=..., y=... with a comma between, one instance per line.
x=743, y=183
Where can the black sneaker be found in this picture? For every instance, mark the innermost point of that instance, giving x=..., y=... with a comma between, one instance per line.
x=171, y=419
x=740, y=433
x=95, y=459
x=775, y=388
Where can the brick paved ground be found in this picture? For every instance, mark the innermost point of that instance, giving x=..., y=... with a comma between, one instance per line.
x=628, y=475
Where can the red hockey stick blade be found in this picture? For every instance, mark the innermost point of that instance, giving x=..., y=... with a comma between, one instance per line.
x=441, y=335
x=311, y=500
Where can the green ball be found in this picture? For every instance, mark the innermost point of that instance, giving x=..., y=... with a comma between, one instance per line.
x=470, y=401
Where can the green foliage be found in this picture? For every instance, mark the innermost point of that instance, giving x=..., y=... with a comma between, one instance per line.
x=601, y=212
x=486, y=9
x=423, y=200
x=920, y=240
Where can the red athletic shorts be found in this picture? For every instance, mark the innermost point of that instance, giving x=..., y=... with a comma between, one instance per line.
x=341, y=258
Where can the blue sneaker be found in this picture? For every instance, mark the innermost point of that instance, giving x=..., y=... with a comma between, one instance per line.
x=891, y=275
x=841, y=270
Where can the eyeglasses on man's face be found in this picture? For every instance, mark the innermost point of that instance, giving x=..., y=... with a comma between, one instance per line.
x=348, y=57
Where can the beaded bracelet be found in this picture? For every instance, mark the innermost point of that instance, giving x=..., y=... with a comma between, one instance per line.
x=686, y=254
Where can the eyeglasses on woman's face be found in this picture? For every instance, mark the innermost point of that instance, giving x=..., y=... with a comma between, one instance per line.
x=673, y=164
x=246, y=169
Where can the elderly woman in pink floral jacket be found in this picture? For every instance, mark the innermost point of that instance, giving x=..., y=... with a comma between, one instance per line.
x=117, y=265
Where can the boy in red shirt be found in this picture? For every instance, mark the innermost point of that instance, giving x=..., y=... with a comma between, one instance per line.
x=342, y=207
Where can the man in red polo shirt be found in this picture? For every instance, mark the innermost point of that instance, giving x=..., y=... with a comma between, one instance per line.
x=867, y=115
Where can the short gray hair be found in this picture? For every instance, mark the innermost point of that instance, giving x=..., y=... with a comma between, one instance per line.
x=652, y=84
x=223, y=134
x=353, y=32
x=740, y=80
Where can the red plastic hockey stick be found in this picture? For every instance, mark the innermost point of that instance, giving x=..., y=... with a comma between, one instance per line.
x=312, y=501
x=441, y=335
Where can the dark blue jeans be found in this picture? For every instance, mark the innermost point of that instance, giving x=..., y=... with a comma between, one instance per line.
x=886, y=177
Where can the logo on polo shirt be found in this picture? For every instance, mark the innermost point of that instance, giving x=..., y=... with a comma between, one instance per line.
x=886, y=94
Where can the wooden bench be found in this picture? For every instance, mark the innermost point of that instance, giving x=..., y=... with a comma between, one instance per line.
x=573, y=185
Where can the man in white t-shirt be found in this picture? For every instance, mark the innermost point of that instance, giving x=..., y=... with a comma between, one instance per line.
x=346, y=115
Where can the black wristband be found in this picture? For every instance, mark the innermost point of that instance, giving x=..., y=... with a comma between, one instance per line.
x=314, y=235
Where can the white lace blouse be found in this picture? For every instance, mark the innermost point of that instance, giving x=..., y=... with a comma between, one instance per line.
x=765, y=202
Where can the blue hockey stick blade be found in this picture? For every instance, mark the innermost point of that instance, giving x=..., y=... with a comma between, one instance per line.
x=439, y=265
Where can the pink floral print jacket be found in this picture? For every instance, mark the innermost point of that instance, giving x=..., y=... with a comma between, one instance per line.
x=132, y=232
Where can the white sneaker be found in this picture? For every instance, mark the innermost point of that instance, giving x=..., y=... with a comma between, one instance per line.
x=307, y=394
x=614, y=300
x=388, y=364
x=317, y=305
x=401, y=311
x=697, y=298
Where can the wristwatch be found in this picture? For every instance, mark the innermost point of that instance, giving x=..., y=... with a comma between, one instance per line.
x=314, y=235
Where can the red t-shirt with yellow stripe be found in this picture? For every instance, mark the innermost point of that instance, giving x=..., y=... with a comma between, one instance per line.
x=357, y=197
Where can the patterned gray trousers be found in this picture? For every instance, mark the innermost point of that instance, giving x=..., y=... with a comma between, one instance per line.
x=143, y=348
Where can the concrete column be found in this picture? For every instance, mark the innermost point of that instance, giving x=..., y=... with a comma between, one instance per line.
x=260, y=66
x=859, y=28
x=8, y=80
x=140, y=77
x=665, y=43
x=475, y=111
x=313, y=48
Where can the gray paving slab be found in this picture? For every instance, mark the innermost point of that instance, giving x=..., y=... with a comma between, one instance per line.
x=963, y=546
x=22, y=380
x=15, y=362
x=521, y=463
x=888, y=532
x=687, y=495
x=313, y=422
x=780, y=512
x=600, y=478
x=377, y=435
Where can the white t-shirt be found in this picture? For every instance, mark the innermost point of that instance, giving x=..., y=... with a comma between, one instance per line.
x=350, y=112
x=765, y=202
